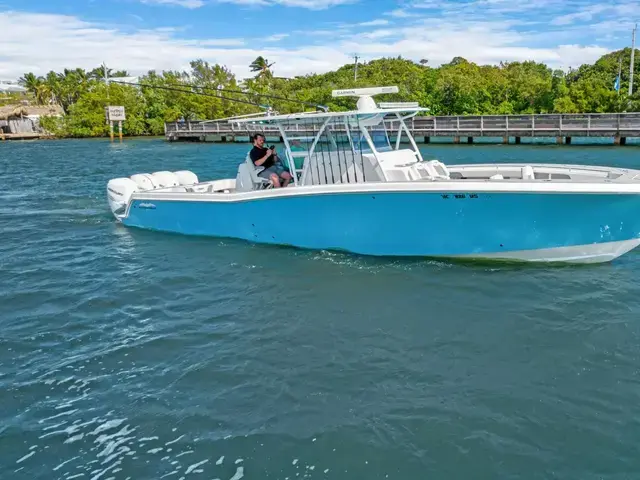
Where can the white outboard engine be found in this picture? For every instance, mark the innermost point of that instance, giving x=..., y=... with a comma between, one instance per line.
x=186, y=177
x=119, y=191
x=145, y=181
x=165, y=179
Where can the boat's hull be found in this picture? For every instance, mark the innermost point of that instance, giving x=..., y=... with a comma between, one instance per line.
x=565, y=227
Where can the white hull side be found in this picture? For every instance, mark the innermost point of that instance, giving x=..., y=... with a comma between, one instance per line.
x=594, y=253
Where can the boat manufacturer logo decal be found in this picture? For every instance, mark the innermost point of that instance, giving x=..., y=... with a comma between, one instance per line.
x=148, y=206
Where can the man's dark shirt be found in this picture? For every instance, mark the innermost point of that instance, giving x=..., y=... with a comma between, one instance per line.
x=257, y=153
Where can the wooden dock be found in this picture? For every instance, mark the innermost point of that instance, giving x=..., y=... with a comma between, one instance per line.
x=23, y=136
x=462, y=129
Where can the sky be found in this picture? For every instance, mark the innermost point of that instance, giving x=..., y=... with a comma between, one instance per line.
x=304, y=36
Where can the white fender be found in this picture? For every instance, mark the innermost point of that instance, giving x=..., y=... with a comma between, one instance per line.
x=186, y=177
x=119, y=191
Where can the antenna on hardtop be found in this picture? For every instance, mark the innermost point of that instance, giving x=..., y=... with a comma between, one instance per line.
x=365, y=102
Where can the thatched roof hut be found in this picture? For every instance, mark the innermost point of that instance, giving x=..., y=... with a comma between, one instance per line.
x=19, y=111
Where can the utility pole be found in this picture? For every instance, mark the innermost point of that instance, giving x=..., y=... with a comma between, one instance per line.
x=355, y=71
x=106, y=77
x=633, y=49
x=106, y=80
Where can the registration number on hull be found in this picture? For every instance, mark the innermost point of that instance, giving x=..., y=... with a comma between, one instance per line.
x=458, y=196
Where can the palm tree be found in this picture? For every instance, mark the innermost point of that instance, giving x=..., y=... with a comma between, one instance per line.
x=81, y=73
x=43, y=94
x=262, y=66
x=99, y=73
x=53, y=83
x=37, y=87
x=29, y=81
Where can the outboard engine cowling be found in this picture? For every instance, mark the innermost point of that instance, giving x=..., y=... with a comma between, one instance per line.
x=186, y=177
x=145, y=181
x=165, y=179
x=119, y=191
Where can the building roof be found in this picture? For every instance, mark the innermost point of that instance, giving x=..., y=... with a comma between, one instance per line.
x=9, y=111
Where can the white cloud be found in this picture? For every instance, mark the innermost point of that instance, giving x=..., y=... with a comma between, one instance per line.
x=374, y=23
x=400, y=13
x=179, y=3
x=482, y=42
x=277, y=37
x=316, y=33
x=620, y=13
x=42, y=42
x=309, y=4
x=584, y=15
x=221, y=42
x=374, y=34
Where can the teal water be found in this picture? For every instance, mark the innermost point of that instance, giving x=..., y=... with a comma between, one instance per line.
x=132, y=354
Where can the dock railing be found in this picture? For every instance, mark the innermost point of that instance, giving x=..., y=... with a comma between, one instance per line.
x=539, y=125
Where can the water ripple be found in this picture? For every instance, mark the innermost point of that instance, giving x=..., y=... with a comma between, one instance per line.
x=132, y=354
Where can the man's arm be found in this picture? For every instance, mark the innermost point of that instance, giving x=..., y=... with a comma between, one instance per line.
x=260, y=161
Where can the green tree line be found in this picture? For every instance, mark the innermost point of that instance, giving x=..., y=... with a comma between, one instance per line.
x=457, y=88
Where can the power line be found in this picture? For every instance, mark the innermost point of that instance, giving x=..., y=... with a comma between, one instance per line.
x=273, y=97
x=217, y=95
x=174, y=89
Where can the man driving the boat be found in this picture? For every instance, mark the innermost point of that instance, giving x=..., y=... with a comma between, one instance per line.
x=268, y=158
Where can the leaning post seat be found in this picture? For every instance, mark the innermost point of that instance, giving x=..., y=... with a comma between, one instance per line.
x=247, y=178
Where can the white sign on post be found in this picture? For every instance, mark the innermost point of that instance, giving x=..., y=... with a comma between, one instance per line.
x=115, y=114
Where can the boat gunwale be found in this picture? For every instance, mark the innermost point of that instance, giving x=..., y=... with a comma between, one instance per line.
x=625, y=184
x=437, y=186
